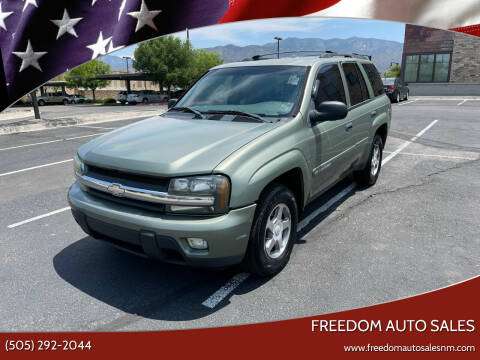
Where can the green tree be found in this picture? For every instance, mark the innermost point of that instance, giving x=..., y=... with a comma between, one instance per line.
x=393, y=71
x=84, y=76
x=204, y=60
x=173, y=62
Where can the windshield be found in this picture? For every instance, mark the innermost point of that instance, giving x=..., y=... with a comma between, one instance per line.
x=388, y=81
x=262, y=90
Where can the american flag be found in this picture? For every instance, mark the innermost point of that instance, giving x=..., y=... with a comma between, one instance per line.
x=40, y=39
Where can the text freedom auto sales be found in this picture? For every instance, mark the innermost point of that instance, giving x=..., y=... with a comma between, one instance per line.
x=335, y=325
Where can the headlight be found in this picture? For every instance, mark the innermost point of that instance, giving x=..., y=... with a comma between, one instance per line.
x=79, y=166
x=216, y=186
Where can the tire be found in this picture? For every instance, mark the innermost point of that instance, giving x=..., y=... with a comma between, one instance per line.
x=123, y=102
x=406, y=96
x=369, y=175
x=268, y=223
x=145, y=101
x=397, y=98
x=65, y=102
x=41, y=103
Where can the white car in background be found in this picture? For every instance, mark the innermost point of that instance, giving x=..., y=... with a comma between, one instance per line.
x=122, y=97
x=146, y=96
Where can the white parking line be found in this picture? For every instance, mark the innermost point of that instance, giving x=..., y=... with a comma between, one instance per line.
x=50, y=141
x=408, y=102
x=96, y=127
x=406, y=143
x=221, y=293
x=38, y=217
x=463, y=102
x=433, y=155
x=35, y=167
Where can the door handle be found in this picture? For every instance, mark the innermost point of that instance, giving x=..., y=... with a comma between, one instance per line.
x=349, y=126
x=373, y=113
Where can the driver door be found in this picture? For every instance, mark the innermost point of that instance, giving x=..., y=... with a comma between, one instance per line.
x=332, y=138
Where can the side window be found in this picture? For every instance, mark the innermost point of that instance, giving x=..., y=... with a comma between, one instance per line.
x=374, y=78
x=356, y=83
x=330, y=85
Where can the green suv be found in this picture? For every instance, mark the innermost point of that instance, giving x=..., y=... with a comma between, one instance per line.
x=223, y=176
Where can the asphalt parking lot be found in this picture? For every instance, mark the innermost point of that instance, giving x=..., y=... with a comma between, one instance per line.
x=417, y=230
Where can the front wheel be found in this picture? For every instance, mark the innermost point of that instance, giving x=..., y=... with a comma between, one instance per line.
x=369, y=175
x=65, y=102
x=274, y=231
x=397, y=98
x=41, y=102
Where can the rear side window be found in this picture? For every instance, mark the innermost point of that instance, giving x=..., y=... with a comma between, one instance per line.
x=330, y=85
x=374, y=78
x=356, y=83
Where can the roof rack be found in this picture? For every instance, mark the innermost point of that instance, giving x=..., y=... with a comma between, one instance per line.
x=320, y=53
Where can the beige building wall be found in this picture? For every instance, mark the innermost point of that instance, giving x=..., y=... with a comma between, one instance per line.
x=465, y=59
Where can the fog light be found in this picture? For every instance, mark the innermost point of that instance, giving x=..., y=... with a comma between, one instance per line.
x=197, y=243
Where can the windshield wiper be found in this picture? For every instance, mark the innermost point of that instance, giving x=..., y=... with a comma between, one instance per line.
x=236, y=112
x=188, y=109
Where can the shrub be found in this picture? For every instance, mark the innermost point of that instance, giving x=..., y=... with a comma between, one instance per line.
x=109, y=101
x=80, y=101
x=88, y=101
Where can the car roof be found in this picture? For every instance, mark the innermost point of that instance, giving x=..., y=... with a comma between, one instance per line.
x=292, y=61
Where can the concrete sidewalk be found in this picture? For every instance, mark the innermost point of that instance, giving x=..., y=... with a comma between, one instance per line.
x=22, y=119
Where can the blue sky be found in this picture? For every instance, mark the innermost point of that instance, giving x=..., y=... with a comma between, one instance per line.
x=259, y=32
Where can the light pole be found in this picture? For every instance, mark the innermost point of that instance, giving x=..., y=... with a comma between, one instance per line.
x=278, y=38
x=126, y=59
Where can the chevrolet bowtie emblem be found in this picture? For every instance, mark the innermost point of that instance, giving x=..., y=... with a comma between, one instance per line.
x=116, y=190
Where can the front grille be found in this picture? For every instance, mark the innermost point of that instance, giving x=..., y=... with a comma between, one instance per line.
x=132, y=180
x=129, y=179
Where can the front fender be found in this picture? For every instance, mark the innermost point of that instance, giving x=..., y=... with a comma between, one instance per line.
x=248, y=190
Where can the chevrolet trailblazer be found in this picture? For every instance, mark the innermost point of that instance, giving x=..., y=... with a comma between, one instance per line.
x=223, y=176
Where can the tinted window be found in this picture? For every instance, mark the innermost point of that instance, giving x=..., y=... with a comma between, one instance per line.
x=264, y=90
x=374, y=78
x=330, y=85
x=356, y=83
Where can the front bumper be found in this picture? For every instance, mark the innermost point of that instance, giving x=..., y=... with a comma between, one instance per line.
x=163, y=236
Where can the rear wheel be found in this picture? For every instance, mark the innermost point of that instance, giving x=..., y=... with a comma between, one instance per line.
x=41, y=102
x=397, y=98
x=145, y=101
x=406, y=96
x=65, y=102
x=274, y=231
x=369, y=175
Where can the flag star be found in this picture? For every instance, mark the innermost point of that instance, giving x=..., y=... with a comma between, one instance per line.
x=94, y=1
x=29, y=57
x=66, y=24
x=145, y=17
x=3, y=16
x=99, y=47
x=111, y=48
x=122, y=7
x=31, y=2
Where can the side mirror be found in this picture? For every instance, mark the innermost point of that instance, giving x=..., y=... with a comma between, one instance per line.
x=172, y=102
x=329, y=111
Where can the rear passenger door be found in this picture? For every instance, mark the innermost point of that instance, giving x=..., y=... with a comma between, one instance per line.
x=360, y=113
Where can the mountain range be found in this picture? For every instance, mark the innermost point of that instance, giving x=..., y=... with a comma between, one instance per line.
x=383, y=52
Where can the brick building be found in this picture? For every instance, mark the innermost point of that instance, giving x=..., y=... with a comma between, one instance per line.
x=440, y=62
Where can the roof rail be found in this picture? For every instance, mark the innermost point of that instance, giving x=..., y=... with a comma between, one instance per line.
x=320, y=53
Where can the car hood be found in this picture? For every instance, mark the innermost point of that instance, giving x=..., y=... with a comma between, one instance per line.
x=167, y=146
